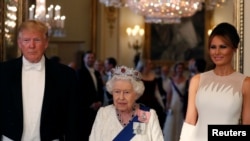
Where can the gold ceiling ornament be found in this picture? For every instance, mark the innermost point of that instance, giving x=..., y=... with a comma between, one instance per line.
x=112, y=14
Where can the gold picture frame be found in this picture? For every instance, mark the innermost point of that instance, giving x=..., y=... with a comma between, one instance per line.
x=239, y=22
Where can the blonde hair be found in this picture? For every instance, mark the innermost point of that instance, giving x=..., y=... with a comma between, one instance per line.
x=33, y=25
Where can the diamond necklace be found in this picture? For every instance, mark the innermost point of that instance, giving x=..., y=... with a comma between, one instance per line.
x=120, y=118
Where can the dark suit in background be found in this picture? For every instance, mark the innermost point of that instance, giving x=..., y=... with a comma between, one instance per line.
x=91, y=96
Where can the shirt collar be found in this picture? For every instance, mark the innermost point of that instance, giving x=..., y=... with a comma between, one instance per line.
x=91, y=69
x=33, y=66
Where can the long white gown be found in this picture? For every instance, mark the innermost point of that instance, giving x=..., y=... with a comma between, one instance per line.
x=107, y=126
x=174, y=121
x=218, y=101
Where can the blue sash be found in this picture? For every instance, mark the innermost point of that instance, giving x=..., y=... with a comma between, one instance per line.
x=128, y=132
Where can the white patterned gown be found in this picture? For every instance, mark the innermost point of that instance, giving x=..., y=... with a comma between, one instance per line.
x=174, y=121
x=218, y=101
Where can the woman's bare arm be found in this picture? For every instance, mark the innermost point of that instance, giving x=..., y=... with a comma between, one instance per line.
x=246, y=102
x=192, y=115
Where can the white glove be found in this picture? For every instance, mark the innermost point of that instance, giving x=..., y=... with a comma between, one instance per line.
x=186, y=132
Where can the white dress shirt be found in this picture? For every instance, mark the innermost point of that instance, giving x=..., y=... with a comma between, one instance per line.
x=33, y=84
x=92, y=73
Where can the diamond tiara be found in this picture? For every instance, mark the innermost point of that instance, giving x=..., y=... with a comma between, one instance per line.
x=125, y=71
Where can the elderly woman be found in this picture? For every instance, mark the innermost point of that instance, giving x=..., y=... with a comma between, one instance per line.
x=125, y=119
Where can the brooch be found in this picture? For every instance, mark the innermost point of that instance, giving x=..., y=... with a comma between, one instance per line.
x=139, y=128
x=143, y=116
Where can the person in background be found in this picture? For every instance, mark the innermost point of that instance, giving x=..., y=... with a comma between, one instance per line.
x=151, y=96
x=163, y=82
x=191, y=68
x=99, y=66
x=174, y=104
x=221, y=95
x=38, y=99
x=91, y=93
x=56, y=59
x=125, y=119
x=109, y=64
x=159, y=87
x=72, y=65
x=195, y=66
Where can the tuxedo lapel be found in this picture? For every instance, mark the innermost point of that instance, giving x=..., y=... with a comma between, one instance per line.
x=48, y=88
x=17, y=88
x=11, y=76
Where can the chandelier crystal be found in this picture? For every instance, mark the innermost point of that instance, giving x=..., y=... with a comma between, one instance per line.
x=114, y=3
x=164, y=11
x=162, y=20
x=51, y=17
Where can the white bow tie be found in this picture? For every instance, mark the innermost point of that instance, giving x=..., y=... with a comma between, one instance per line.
x=32, y=66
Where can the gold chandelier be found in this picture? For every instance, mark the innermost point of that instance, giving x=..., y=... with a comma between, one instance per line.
x=51, y=17
x=164, y=11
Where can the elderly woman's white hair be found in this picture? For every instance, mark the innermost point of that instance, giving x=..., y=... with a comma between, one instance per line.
x=128, y=74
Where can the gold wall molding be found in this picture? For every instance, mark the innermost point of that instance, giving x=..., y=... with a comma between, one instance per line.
x=112, y=15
